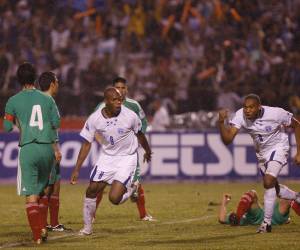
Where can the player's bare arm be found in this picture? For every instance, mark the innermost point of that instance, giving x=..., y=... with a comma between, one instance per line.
x=84, y=151
x=57, y=152
x=296, y=125
x=144, y=143
x=223, y=208
x=227, y=133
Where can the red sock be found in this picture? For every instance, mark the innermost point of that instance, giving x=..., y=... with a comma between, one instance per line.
x=53, y=210
x=141, y=202
x=244, y=205
x=43, y=205
x=296, y=207
x=33, y=215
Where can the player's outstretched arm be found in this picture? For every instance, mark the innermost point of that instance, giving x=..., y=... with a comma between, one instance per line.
x=227, y=133
x=83, y=153
x=223, y=208
x=144, y=143
x=296, y=125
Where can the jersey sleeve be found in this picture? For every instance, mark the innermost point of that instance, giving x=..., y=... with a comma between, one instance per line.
x=285, y=117
x=237, y=120
x=88, y=131
x=9, y=110
x=143, y=118
x=137, y=124
x=55, y=116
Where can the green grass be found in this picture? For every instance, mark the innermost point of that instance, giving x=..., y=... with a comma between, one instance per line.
x=186, y=213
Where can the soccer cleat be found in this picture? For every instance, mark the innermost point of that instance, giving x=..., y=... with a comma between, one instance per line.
x=38, y=242
x=148, y=217
x=264, y=228
x=60, y=228
x=135, y=191
x=49, y=228
x=44, y=234
x=84, y=232
x=297, y=198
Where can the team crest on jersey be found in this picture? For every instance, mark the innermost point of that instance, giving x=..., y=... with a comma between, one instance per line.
x=120, y=131
x=268, y=128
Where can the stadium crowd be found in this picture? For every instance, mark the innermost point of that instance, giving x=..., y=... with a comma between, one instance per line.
x=193, y=54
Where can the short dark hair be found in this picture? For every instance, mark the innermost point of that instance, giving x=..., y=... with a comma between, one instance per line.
x=254, y=97
x=119, y=79
x=26, y=74
x=45, y=80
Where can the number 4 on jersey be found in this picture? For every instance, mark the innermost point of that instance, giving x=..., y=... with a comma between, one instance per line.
x=36, y=119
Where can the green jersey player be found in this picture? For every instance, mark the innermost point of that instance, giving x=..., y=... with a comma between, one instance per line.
x=250, y=212
x=36, y=116
x=120, y=83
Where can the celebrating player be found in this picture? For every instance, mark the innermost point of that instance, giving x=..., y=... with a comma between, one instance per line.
x=36, y=116
x=120, y=129
x=250, y=212
x=49, y=85
x=139, y=196
x=266, y=127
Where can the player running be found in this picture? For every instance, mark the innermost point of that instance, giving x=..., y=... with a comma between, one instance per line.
x=120, y=129
x=266, y=127
x=120, y=83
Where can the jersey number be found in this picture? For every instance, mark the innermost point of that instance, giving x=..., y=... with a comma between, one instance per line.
x=36, y=119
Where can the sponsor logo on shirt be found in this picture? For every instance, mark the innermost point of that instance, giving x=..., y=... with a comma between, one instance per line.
x=268, y=128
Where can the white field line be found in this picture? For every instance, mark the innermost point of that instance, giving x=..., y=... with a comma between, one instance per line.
x=75, y=234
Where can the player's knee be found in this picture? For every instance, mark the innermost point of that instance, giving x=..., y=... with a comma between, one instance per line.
x=114, y=199
x=91, y=192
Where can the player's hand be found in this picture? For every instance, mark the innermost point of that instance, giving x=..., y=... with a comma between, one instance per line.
x=57, y=155
x=74, y=177
x=226, y=199
x=223, y=115
x=147, y=156
x=297, y=159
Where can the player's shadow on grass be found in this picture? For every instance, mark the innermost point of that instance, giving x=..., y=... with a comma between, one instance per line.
x=192, y=241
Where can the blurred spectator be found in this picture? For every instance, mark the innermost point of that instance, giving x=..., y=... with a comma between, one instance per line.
x=161, y=119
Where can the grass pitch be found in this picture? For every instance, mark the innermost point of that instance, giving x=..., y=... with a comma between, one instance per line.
x=186, y=214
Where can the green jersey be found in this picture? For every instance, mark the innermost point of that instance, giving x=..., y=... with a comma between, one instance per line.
x=136, y=108
x=255, y=216
x=36, y=115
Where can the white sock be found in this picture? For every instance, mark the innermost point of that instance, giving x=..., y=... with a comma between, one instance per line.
x=286, y=193
x=269, y=202
x=89, y=209
x=126, y=196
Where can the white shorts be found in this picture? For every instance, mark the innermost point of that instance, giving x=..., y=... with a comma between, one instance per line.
x=110, y=168
x=279, y=156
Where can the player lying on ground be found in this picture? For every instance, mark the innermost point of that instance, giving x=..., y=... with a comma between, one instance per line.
x=250, y=212
x=121, y=131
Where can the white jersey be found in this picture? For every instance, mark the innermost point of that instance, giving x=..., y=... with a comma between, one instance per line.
x=118, y=133
x=267, y=131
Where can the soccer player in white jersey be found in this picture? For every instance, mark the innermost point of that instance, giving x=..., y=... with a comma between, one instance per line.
x=120, y=129
x=266, y=127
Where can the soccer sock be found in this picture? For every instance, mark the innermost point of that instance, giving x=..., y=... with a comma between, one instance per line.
x=296, y=207
x=33, y=215
x=89, y=209
x=99, y=198
x=244, y=205
x=286, y=193
x=43, y=206
x=141, y=202
x=126, y=196
x=53, y=210
x=269, y=202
